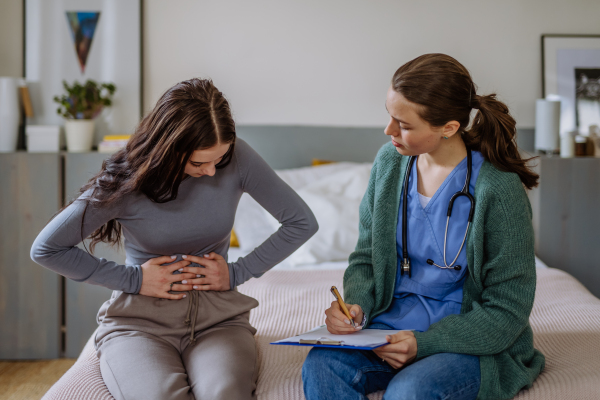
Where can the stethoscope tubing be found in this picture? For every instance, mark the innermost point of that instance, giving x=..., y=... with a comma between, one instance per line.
x=405, y=266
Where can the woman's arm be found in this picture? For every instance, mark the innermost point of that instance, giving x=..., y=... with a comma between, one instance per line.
x=298, y=223
x=359, y=284
x=55, y=248
x=509, y=280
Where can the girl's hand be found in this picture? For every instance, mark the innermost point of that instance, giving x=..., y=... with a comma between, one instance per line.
x=157, y=279
x=215, y=271
x=338, y=323
x=401, y=350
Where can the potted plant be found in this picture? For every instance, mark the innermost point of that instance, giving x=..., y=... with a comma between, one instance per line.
x=79, y=106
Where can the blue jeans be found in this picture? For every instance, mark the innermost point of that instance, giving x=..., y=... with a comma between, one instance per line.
x=342, y=374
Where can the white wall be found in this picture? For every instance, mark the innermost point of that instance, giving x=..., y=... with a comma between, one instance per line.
x=11, y=38
x=329, y=62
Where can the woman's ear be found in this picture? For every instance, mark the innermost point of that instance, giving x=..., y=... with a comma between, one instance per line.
x=450, y=129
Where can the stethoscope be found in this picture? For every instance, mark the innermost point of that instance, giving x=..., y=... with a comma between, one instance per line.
x=405, y=265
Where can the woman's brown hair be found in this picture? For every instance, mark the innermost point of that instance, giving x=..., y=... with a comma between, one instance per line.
x=444, y=91
x=192, y=115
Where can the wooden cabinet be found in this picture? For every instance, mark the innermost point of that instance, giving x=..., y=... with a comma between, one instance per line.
x=83, y=300
x=30, y=296
x=36, y=303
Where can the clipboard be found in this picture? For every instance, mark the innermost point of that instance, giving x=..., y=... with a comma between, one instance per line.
x=367, y=339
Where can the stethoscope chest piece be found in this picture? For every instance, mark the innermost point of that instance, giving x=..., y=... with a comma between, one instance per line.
x=405, y=267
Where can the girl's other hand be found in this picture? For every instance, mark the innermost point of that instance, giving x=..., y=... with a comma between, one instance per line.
x=214, y=275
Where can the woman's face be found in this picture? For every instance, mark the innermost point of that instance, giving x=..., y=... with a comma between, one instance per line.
x=410, y=134
x=204, y=162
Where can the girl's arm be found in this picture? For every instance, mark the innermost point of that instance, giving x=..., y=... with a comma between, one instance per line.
x=55, y=248
x=298, y=223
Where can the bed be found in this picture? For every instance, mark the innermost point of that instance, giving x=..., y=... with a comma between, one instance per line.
x=295, y=293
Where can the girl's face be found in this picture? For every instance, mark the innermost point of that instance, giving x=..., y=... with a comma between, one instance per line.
x=204, y=162
x=410, y=134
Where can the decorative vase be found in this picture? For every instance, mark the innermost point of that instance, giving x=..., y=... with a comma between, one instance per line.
x=9, y=114
x=80, y=135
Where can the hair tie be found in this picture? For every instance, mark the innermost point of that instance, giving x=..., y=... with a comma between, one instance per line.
x=475, y=103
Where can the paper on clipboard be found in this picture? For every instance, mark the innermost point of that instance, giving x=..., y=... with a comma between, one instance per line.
x=365, y=339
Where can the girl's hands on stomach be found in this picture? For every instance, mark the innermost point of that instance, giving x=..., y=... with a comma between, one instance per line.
x=214, y=275
x=157, y=279
x=337, y=322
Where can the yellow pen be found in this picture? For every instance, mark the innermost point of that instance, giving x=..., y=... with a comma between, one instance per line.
x=337, y=296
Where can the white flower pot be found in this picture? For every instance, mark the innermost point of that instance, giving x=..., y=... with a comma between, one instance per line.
x=9, y=114
x=80, y=135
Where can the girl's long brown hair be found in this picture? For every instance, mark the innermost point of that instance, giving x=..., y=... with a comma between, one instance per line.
x=445, y=92
x=192, y=115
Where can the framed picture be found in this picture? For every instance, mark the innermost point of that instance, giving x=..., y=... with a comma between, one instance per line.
x=571, y=72
x=77, y=40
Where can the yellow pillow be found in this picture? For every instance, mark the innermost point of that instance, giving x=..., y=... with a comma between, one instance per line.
x=233, y=242
x=316, y=162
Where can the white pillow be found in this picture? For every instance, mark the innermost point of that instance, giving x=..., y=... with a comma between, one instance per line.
x=333, y=192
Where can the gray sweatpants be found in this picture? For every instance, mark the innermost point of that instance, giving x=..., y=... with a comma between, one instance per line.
x=201, y=347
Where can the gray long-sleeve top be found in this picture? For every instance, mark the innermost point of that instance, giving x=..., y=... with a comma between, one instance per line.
x=197, y=222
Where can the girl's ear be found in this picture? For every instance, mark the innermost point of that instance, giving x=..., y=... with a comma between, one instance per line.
x=450, y=129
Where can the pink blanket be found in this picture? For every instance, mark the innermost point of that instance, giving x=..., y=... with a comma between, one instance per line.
x=565, y=320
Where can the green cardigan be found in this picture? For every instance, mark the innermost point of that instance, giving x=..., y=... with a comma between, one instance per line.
x=498, y=292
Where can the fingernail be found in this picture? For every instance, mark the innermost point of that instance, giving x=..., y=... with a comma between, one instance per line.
x=353, y=313
x=358, y=327
x=347, y=321
x=183, y=256
x=195, y=287
x=173, y=257
x=180, y=270
x=184, y=296
x=198, y=276
x=206, y=256
x=184, y=282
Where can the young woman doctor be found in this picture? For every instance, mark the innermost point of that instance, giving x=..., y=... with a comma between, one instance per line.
x=460, y=287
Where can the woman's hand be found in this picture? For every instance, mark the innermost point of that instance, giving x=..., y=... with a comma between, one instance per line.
x=401, y=350
x=215, y=271
x=157, y=279
x=338, y=323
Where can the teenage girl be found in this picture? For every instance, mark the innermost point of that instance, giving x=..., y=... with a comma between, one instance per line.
x=172, y=194
x=460, y=292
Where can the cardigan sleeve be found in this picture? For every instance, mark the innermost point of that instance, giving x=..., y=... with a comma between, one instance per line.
x=359, y=282
x=508, y=276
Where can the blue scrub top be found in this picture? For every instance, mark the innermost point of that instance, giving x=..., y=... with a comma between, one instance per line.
x=431, y=293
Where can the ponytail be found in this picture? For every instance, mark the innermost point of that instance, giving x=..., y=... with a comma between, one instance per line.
x=493, y=134
x=445, y=91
